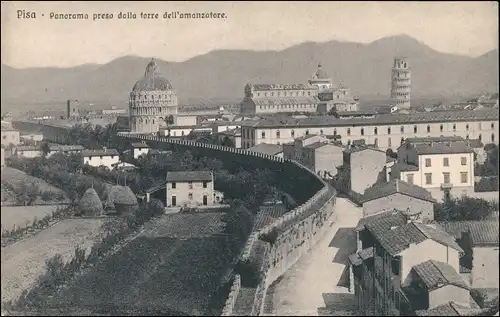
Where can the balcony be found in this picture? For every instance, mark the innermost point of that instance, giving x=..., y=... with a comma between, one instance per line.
x=446, y=186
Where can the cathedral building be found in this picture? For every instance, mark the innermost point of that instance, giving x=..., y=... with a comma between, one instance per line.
x=153, y=102
x=319, y=95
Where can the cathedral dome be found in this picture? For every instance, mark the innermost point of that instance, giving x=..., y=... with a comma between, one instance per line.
x=152, y=80
x=320, y=73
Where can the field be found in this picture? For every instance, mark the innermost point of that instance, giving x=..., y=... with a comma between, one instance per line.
x=21, y=216
x=16, y=177
x=24, y=261
x=161, y=272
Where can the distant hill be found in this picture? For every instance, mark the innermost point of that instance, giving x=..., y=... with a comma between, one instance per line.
x=221, y=75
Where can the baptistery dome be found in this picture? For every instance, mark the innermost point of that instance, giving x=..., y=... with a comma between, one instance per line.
x=320, y=73
x=152, y=80
x=152, y=102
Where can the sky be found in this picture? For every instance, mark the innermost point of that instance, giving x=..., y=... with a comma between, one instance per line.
x=465, y=28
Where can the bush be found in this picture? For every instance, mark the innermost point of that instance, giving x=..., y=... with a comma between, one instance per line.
x=249, y=272
x=47, y=195
x=487, y=184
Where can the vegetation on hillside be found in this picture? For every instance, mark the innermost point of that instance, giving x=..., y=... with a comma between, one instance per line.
x=464, y=208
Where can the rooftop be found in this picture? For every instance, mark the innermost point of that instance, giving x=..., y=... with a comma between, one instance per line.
x=358, y=257
x=285, y=101
x=475, y=143
x=447, y=309
x=265, y=148
x=436, y=274
x=482, y=233
x=403, y=167
x=396, y=186
x=60, y=147
x=317, y=145
x=456, y=147
x=282, y=87
x=139, y=145
x=101, y=152
x=399, y=239
x=178, y=177
x=389, y=119
x=28, y=148
x=383, y=221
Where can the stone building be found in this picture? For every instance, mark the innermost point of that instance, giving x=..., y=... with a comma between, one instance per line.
x=401, y=83
x=318, y=95
x=153, y=102
x=10, y=136
x=190, y=189
x=102, y=157
x=387, y=131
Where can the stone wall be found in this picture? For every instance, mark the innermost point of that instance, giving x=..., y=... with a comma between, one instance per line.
x=231, y=298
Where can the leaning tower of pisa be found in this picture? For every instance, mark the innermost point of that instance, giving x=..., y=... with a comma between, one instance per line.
x=401, y=83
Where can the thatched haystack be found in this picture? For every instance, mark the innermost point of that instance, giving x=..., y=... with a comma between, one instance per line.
x=122, y=199
x=89, y=204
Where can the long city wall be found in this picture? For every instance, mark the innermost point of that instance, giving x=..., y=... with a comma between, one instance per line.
x=294, y=234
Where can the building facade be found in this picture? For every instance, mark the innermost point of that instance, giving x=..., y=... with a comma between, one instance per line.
x=152, y=101
x=401, y=83
x=190, y=189
x=97, y=158
x=318, y=95
x=28, y=151
x=387, y=131
x=437, y=164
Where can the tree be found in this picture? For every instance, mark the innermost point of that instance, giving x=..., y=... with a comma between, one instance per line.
x=27, y=194
x=464, y=208
x=45, y=148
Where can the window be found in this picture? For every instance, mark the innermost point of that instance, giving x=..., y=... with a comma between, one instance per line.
x=190, y=196
x=389, y=130
x=307, y=132
x=480, y=137
x=205, y=183
x=389, y=143
x=100, y=157
x=446, y=161
x=321, y=131
x=182, y=133
x=409, y=178
x=464, y=177
x=441, y=128
x=190, y=185
x=402, y=129
x=492, y=125
x=428, y=162
x=348, y=131
x=492, y=137
x=112, y=156
x=428, y=178
x=334, y=131
x=396, y=265
x=428, y=129
x=263, y=134
x=467, y=136
x=174, y=185
x=402, y=140
x=293, y=133
x=467, y=127
x=454, y=127
x=446, y=178
x=375, y=142
x=463, y=161
x=278, y=134
x=375, y=131
x=415, y=129
x=174, y=201
x=362, y=131
x=348, y=142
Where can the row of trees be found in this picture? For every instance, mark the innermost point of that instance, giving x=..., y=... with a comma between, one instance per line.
x=464, y=208
x=58, y=274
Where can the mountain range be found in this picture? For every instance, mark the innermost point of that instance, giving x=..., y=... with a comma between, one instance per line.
x=221, y=75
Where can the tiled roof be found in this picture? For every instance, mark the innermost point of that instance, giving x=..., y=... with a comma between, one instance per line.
x=60, y=147
x=403, y=167
x=389, y=119
x=443, y=148
x=360, y=148
x=236, y=131
x=366, y=253
x=355, y=259
x=481, y=232
x=433, y=273
x=435, y=139
x=399, y=239
x=140, y=145
x=189, y=176
x=285, y=101
x=475, y=143
x=316, y=145
x=383, y=221
x=107, y=152
x=396, y=186
x=264, y=148
x=282, y=87
x=28, y=148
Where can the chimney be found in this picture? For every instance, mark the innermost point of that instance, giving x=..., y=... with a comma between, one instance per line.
x=105, y=148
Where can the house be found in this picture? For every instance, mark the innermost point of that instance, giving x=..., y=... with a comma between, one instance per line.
x=105, y=157
x=317, y=153
x=32, y=139
x=480, y=240
x=441, y=165
x=64, y=149
x=396, y=246
x=28, y=151
x=124, y=166
x=361, y=168
x=234, y=135
x=269, y=149
x=139, y=149
x=398, y=194
x=190, y=189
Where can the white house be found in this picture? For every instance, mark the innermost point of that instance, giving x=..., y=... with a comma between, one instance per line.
x=104, y=157
x=28, y=151
x=140, y=149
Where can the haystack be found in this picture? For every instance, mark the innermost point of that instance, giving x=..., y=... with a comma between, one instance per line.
x=122, y=199
x=89, y=204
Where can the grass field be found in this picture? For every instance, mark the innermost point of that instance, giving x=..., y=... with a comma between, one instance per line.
x=24, y=261
x=16, y=177
x=23, y=215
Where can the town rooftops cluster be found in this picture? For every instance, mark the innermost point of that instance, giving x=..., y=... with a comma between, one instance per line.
x=389, y=119
x=481, y=233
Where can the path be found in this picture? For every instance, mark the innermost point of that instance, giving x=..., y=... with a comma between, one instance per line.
x=310, y=288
